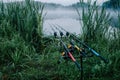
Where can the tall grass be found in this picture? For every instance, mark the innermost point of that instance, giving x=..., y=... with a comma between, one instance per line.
x=25, y=18
x=20, y=38
x=95, y=21
x=96, y=24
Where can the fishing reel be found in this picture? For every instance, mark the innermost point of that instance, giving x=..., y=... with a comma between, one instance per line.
x=73, y=50
x=81, y=52
x=68, y=51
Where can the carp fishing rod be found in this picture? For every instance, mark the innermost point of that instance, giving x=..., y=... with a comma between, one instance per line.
x=68, y=53
x=74, y=46
x=84, y=45
x=72, y=43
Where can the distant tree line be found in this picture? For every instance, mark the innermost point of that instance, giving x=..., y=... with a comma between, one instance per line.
x=112, y=4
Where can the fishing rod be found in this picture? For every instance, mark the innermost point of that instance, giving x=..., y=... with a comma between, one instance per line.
x=69, y=54
x=81, y=51
x=82, y=54
x=90, y=49
x=73, y=45
x=71, y=41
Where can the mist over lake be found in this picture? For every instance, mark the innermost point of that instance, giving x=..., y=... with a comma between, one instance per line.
x=67, y=18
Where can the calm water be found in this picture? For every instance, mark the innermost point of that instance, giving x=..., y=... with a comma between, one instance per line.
x=68, y=19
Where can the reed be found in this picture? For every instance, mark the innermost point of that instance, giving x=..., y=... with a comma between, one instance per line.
x=20, y=38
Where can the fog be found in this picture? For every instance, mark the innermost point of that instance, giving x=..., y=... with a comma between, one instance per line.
x=68, y=19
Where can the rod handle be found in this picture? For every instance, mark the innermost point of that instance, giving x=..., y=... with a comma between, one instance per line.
x=105, y=60
x=78, y=65
x=95, y=53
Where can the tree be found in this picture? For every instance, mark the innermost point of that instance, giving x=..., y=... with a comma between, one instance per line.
x=115, y=3
x=112, y=3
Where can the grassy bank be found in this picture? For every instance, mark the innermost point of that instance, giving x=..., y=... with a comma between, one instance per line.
x=26, y=55
x=20, y=39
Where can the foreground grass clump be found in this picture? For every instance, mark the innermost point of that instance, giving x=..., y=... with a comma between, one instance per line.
x=20, y=39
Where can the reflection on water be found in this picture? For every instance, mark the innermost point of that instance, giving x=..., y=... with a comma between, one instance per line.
x=68, y=19
x=69, y=24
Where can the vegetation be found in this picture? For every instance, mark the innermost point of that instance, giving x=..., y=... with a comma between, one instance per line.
x=26, y=55
x=112, y=4
x=96, y=25
x=20, y=38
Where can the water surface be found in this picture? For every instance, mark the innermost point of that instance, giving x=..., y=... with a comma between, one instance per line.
x=68, y=19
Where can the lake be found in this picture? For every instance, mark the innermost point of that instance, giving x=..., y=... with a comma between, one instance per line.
x=66, y=18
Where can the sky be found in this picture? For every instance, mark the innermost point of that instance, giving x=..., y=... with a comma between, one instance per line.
x=63, y=2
